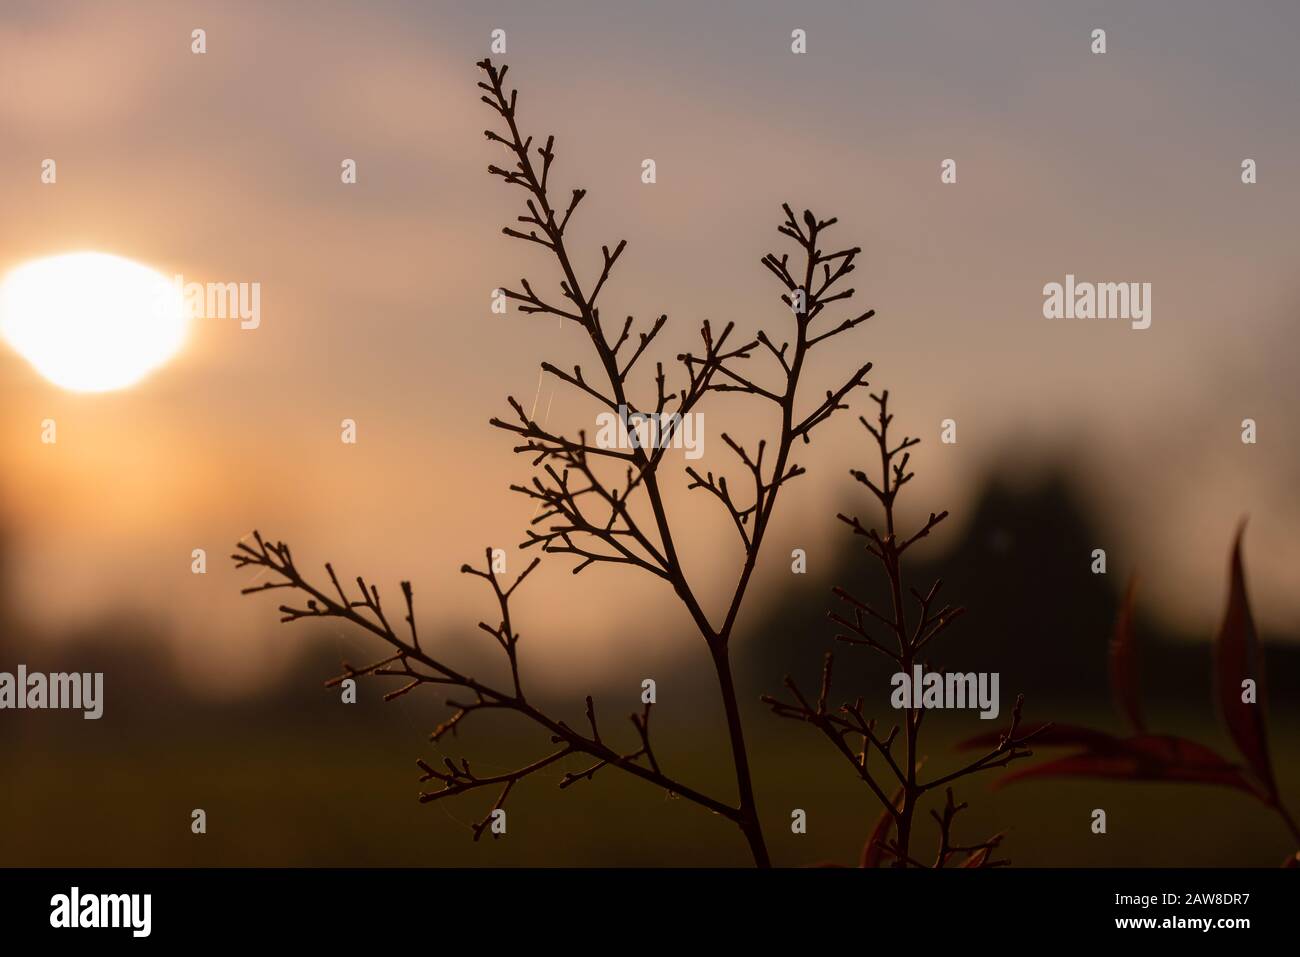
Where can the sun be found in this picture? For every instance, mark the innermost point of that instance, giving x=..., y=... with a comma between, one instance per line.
x=92, y=322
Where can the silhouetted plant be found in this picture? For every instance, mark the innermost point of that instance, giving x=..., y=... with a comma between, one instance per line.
x=583, y=513
x=903, y=643
x=1144, y=756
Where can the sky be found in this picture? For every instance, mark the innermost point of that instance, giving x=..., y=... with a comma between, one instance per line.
x=225, y=167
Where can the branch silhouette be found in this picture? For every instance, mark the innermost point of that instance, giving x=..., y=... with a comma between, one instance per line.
x=411, y=662
x=889, y=634
x=584, y=513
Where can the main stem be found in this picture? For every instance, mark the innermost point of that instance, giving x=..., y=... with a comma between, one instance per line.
x=893, y=567
x=748, y=818
x=749, y=822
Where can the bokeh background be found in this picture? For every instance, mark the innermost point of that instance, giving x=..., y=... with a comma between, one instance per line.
x=375, y=306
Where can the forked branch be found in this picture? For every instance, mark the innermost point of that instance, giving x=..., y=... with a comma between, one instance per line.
x=887, y=632
x=420, y=668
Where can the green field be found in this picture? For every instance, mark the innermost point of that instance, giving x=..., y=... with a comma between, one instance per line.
x=345, y=795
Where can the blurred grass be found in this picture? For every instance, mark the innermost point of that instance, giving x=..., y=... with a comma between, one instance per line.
x=343, y=793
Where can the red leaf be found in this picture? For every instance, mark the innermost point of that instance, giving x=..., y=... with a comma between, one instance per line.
x=872, y=855
x=1146, y=757
x=978, y=858
x=1123, y=661
x=1236, y=658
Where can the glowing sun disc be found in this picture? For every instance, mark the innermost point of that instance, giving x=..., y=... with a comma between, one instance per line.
x=91, y=322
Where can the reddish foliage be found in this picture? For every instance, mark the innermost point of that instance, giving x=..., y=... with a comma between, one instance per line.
x=1160, y=757
x=873, y=852
x=1236, y=659
x=1144, y=757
